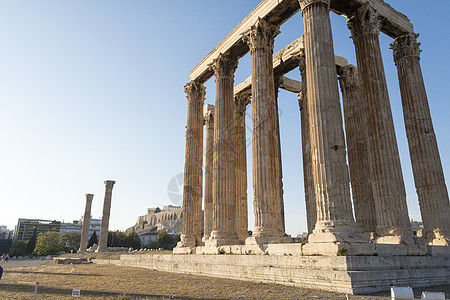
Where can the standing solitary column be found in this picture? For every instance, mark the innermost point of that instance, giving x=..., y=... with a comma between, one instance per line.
x=308, y=180
x=224, y=170
x=267, y=190
x=386, y=173
x=103, y=240
x=208, y=115
x=241, y=101
x=358, y=158
x=426, y=162
x=335, y=227
x=193, y=162
x=86, y=223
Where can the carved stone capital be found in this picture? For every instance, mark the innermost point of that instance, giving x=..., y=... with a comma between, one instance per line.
x=89, y=197
x=208, y=116
x=241, y=101
x=348, y=76
x=305, y=3
x=195, y=92
x=302, y=63
x=301, y=99
x=109, y=184
x=365, y=21
x=224, y=66
x=405, y=46
x=261, y=35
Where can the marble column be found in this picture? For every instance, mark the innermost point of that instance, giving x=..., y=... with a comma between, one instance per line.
x=335, y=227
x=425, y=159
x=224, y=165
x=86, y=223
x=393, y=224
x=193, y=179
x=308, y=180
x=241, y=102
x=265, y=154
x=208, y=114
x=104, y=226
x=358, y=157
x=279, y=167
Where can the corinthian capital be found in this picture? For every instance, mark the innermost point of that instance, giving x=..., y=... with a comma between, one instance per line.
x=224, y=66
x=208, y=115
x=241, y=101
x=109, y=184
x=348, y=76
x=306, y=3
x=195, y=92
x=364, y=21
x=404, y=46
x=261, y=35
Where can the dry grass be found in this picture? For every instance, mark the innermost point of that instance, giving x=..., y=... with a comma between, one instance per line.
x=56, y=282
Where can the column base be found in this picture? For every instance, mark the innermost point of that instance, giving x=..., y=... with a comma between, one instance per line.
x=268, y=232
x=438, y=238
x=260, y=240
x=338, y=238
x=183, y=249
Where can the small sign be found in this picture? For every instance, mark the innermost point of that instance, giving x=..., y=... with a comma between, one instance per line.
x=76, y=293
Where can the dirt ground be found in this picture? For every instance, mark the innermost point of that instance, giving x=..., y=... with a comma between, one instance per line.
x=112, y=282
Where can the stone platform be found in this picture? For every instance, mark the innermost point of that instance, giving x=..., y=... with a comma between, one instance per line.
x=342, y=274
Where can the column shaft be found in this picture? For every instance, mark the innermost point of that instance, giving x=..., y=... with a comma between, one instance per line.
x=425, y=159
x=358, y=158
x=224, y=170
x=208, y=197
x=308, y=180
x=241, y=102
x=193, y=180
x=86, y=223
x=104, y=226
x=326, y=130
x=386, y=173
x=266, y=187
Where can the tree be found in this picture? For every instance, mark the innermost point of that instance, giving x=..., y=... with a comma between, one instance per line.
x=31, y=243
x=167, y=241
x=92, y=240
x=71, y=241
x=19, y=248
x=121, y=239
x=49, y=243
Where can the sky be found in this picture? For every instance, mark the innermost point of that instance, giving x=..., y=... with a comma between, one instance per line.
x=93, y=91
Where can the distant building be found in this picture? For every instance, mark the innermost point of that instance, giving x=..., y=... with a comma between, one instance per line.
x=76, y=226
x=417, y=227
x=4, y=232
x=25, y=228
x=147, y=238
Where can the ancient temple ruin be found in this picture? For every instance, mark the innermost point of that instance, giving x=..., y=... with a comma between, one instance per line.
x=380, y=223
x=379, y=197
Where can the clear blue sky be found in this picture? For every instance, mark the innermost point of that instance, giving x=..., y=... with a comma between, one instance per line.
x=93, y=90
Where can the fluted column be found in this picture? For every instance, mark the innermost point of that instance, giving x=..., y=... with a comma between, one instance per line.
x=266, y=189
x=104, y=226
x=279, y=167
x=208, y=197
x=425, y=159
x=241, y=102
x=86, y=223
x=358, y=158
x=308, y=180
x=193, y=180
x=386, y=173
x=224, y=170
x=335, y=228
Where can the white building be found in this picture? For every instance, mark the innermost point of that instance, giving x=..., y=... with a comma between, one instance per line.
x=76, y=226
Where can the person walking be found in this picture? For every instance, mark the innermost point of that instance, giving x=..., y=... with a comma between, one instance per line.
x=3, y=257
x=6, y=257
